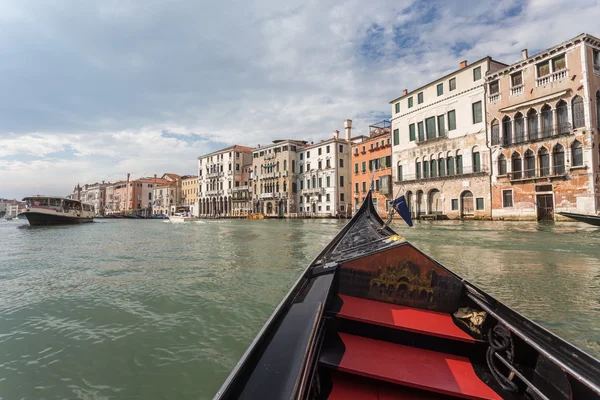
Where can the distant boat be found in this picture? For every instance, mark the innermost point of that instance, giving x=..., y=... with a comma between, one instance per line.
x=42, y=210
x=587, y=218
x=179, y=218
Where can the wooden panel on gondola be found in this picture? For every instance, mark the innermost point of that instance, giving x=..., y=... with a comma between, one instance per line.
x=401, y=275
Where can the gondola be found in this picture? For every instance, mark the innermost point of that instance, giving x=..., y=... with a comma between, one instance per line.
x=587, y=218
x=372, y=317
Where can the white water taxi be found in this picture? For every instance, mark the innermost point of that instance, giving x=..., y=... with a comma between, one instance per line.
x=44, y=210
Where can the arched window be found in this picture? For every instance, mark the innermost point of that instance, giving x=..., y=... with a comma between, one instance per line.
x=532, y=124
x=476, y=159
x=459, y=163
x=277, y=168
x=544, y=161
x=441, y=165
x=563, y=117
x=598, y=109
x=578, y=112
x=284, y=186
x=433, y=164
x=547, y=123
x=425, y=168
x=293, y=166
x=519, y=128
x=576, y=154
x=277, y=187
x=418, y=168
x=495, y=132
x=506, y=131
x=558, y=159
x=529, y=170
x=450, y=164
x=516, y=165
x=399, y=171
x=501, y=165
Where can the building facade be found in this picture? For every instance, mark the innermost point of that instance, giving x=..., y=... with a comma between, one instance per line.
x=93, y=194
x=543, y=112
x=166, y=193
x=440, y=158
x=242, y=193
x=323, y=182
x=218, y=174
x=275, y=170
x=372, y=168
x=189, y=193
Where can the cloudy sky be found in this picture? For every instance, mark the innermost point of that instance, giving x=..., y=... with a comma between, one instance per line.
x=92, y=90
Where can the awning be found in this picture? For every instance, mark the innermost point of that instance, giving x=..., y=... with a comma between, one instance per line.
x=534, y=101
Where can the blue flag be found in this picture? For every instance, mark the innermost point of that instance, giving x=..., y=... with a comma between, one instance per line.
x=401, y=208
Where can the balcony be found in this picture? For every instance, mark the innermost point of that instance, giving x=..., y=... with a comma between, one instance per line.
x=441, y=136
x=270, y=156
x=494, y=97
x=517, y=90
x=540, y=134
x=214, y=192
x=284, y=174
x=314, y=191
x=553, y=77
x=270, y=175
x=537, y=174
x=214, y=174
x=240, y=188
x=465, y=173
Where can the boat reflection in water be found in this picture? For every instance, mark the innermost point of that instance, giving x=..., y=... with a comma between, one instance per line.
x=43, y=210
x=373, y=317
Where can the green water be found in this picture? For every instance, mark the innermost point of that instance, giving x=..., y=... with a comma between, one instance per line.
x=153, y=310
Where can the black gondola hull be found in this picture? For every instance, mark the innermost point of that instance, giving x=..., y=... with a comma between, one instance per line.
x=39, y=219
x=587, y=218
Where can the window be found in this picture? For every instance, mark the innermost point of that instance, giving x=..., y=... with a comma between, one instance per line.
x=507, y=198
x=558, y=159
x=578, y=112
x=479, y=203
x=516, y=80
x=302, y=169
x=341, y=163
x=494, y=88
x=319, y=165
x=477, y=74
x=341, y=148
x=516, y=165
x=452, y=84
x=364, y=166
x=293, y=166
x=563, y=117
x=356, y=168
x=476, y=162
x=411, y=130
x=327, y=164
x=598, y=107
x=433, y=168
x=421, y=131
x=396, y=137
x=495, y=133
x=596, y=56
x=454, y=204
x=441, y=166
x=430, y=126
x=425, y=169
x=577, y=154
x=410, y=102
x=320, y=182
x=355, y=188
x=420, y=98
x=450, y=165
x=397, y=105
x=459, y=166
x=327, y=149
x=451, y=120
x=501, y=165
x=547, y=121
x=364, y=187
x=477, y=112
x=301, y=156
x=441, y=128
x=506, y=131
x=543, y=69
x=399, y=173
x=307, y=167
x=559, y=63
x=307, y=154
x=328, y=180
x=519, y=128
x=544, y=160
x=320, y=150
x=342, y=181
x=440, y=89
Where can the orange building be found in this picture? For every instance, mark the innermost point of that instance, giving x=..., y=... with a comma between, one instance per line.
x=372, y=159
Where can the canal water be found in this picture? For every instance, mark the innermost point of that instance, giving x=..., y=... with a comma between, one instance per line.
x=123, y=309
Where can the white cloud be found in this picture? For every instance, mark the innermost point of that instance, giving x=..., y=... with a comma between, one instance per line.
x=104, y=80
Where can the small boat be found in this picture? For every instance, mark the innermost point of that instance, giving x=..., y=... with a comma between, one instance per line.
x=373, y=317
x=44, y=210
x=180, y=218
x=587, y=218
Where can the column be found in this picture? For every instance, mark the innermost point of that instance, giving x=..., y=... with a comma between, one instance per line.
x=526, y=127
x=554, y=122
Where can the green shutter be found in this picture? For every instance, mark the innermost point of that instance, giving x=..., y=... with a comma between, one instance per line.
x=411, y=130
x=451, y=120
x=396, y=137
x=441, y=127
x=440, y=89
x=397, y=108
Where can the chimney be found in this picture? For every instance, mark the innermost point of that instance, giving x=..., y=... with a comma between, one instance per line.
x=524, y=55
x=128, y=177
x=336, y=134
x=463, y=64
x=404, y=92
x=348, y=128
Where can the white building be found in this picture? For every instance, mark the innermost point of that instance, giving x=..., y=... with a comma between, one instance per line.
x=93, y=194
x=440, y=157
x=324, y=176
x=218, y=174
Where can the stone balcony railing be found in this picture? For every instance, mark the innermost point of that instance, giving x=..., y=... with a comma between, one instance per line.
x=552, y=77
x=494, y=97
x=240, y=188
x=316, y=190
x=516, y=90
x=214, y=192
x=269, y=156
x=426, y=140
x=270, y=175
x=214, y=174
